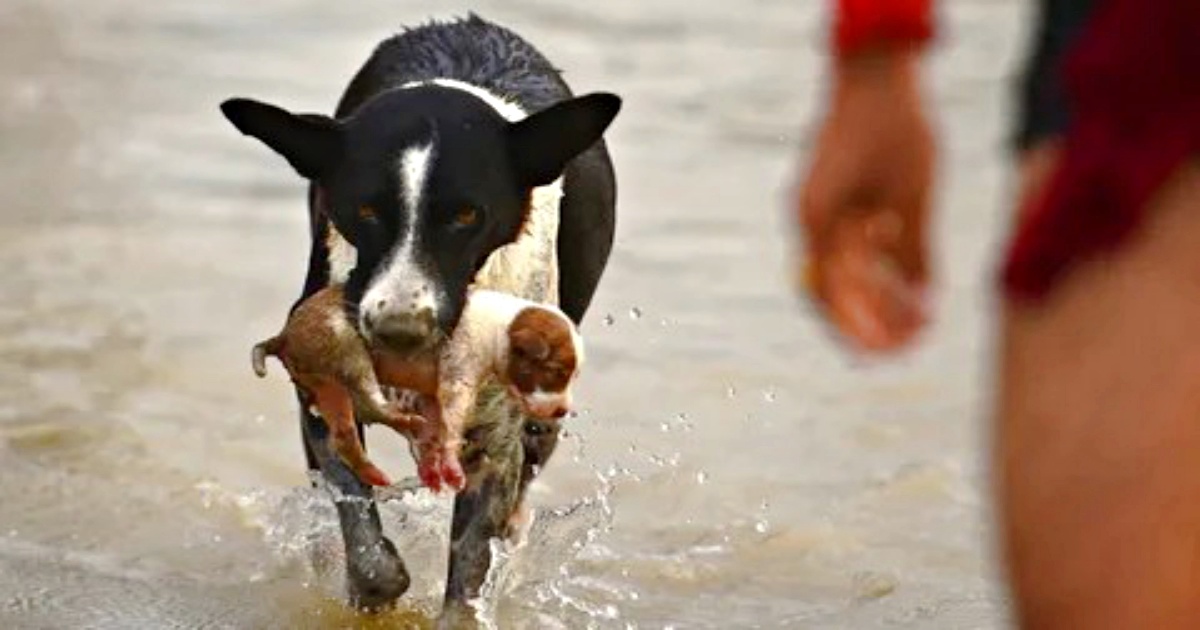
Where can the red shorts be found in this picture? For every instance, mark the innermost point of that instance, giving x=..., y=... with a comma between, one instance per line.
x=1132, y=90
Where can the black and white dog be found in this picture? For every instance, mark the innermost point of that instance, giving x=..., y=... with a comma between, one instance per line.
x=457, y=155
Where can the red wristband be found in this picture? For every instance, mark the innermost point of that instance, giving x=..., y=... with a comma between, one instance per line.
x=862, y=24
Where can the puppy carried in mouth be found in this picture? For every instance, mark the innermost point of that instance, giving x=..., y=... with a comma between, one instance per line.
x=533, y=349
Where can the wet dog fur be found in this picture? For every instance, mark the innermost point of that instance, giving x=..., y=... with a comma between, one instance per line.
x=457, y=152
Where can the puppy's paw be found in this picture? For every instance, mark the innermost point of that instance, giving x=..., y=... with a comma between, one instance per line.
x=451, y=471
x=371, y=475
x=439, y=469
x=429, y=471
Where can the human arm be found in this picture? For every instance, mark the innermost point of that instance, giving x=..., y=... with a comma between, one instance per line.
x=862, y=207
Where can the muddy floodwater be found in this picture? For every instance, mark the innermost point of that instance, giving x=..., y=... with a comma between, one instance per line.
x=730, y=466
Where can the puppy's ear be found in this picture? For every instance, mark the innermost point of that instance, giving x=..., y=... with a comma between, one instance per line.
x=311, y=143
x=530, y=344
x=541, y=145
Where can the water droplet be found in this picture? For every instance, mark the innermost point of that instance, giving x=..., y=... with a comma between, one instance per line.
x=634, y=595
x=632, y=448
x=216, y=538
x=764, y=506
x=611, y=611
x=769, y=395
x=609, y=320
x=730, y=391
x=702, y=477
x=635, y=313
x=665, y=427
x=259, y=419
x=12, y=533
x=761, y=526
x=664, y=322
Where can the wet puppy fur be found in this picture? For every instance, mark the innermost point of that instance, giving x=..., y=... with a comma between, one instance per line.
x=416, y=238
x=540, y=357
x=328, y=359
x=544, y=359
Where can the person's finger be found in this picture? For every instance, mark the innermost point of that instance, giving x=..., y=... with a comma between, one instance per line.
x=854, y=302
x=864, y=292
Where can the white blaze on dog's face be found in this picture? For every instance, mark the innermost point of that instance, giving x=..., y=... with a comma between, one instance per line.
x=401, y=289
x=545, y=355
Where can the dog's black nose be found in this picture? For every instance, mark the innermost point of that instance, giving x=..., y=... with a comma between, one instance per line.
x=404, y=331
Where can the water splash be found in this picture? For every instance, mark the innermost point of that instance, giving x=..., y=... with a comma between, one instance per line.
x=534, y=583
x=578, y=445
x=539, y=572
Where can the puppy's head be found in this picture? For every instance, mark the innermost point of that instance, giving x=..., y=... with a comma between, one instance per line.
x=425, y=182
x=545, y=355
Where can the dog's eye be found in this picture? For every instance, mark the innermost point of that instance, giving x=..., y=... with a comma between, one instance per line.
x=466, y=217
x=366, y=213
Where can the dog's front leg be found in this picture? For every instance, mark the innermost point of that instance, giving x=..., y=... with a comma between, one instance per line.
x=492, y=459
x=375, y=574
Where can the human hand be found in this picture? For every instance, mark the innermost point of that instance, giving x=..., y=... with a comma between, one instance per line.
x=864, y=205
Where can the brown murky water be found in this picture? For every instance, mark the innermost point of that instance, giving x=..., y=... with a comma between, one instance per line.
x=731, y=468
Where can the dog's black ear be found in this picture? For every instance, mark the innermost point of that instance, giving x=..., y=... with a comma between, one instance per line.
x=310, y=142
x=542, y=144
